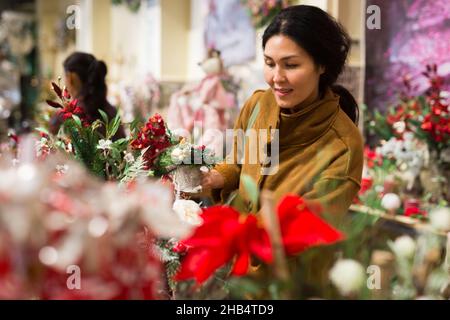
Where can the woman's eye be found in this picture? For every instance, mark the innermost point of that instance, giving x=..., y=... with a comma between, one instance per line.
x=291, y=66
x=270, y=64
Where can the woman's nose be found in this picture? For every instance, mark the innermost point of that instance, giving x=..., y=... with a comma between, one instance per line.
x=279, y=75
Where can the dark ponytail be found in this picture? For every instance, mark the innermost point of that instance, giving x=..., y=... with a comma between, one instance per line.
x=347, y=102
x=92, y=73
x=326, y=42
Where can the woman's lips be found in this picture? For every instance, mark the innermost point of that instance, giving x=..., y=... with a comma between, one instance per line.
x=282, y=92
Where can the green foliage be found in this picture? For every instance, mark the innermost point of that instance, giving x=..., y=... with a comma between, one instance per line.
x=377, y=125
x=101, y=156
x=84, y=142
x=135, y=169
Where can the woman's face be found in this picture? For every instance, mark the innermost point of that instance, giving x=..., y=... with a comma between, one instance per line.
x=291, y=73
x=73, y=83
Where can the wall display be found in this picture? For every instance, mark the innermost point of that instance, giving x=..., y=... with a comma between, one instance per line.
x=413, y=33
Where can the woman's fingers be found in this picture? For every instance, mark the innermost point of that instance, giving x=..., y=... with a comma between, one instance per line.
x=212, y=179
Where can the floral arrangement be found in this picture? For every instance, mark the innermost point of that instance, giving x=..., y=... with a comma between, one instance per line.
x=151, y=150
x=408, y=170
x=68, y=107
x=154, y=138
x=389, y=180
x=271, y=255
x=427, y=115
x=229, y=241
x=263, y=11
x=79, y=135
x=168, y=155
x=60, y=242
x=225, y=234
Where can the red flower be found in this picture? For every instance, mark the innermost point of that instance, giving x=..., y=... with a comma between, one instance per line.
x=180, y=247
x=43, y=134
x=54, y=104
x=225, y=234
x=413, y=211
x=66, y=94
x=57, y=90
x=301, y=228
x=366, y=184
x=372, y=158
x=153, y=136
x=14, y=137
x=412, y=208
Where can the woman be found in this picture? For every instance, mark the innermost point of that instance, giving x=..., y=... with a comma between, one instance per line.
x=320, y=146
x=85, y=81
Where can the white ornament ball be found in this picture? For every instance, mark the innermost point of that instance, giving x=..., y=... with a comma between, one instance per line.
x=348, y=276
x=404, y=247
x=390, y=201
x=440, y=218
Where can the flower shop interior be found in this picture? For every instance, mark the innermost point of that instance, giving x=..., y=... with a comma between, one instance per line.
x=109, y=209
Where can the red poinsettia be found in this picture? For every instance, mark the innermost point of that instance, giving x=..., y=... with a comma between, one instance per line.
x=153, y=136
x=226, y=234
x=437, y=121
x=301, y=228
x=68, y=107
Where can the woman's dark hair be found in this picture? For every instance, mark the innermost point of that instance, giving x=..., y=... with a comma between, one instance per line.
x=326, y=42
x=92, y=73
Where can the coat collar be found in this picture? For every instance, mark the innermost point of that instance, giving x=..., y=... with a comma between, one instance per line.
x=305, y=126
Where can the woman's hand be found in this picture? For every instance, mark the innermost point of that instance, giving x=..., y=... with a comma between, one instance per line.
x=212, y=180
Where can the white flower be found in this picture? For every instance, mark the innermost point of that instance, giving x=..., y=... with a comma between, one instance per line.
x=104, y=144
x=404, y=247
x=399, y=126
x=179, y=154
x=440, y=218
x=390, y=201
x=410, y=154
x=348, y=276
x=188, y=211
x=129, y=158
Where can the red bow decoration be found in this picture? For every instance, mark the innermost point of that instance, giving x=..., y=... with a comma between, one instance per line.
x=226, y=234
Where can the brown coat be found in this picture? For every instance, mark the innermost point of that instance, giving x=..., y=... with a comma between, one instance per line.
x=320, y=154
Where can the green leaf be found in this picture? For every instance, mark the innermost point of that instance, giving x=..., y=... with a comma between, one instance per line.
x=251, y=189
x=104, y=116
x=77, y=120
x=135, y=126
x=424, y=105
x=112, y=129
x=121, y=141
